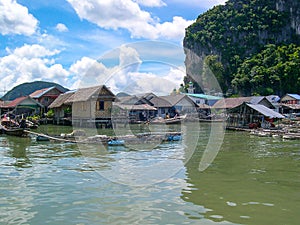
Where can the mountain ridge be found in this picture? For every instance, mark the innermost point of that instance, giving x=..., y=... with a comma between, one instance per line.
x=27, y=88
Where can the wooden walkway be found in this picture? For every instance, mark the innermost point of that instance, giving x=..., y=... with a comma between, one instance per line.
x=50, y=137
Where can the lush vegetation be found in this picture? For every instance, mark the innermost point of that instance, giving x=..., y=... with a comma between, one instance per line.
x=240, y=31
x=26, y=89
x=274, y=70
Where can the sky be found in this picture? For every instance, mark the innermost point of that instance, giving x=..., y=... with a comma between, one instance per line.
x=129, y=45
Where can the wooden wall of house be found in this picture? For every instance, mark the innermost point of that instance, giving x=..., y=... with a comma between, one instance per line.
x=88, y=110
x=49, y=97
x=81, y=110
x=106, y=113
x=58, y=113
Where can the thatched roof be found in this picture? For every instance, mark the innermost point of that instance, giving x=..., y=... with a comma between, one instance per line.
x=84, y=94
x=291, y=106
x=61, y=100
x=204, y=106
x=128, y=100
x=229, y=103
x=160, y=102
x=174, y=99
x=80, y=95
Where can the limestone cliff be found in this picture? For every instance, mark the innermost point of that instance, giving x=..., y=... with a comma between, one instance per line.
x=236, y=31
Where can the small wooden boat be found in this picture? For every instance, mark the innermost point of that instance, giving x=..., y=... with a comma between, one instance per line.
x=173, y=120
x=11, y=127
x=14, y=131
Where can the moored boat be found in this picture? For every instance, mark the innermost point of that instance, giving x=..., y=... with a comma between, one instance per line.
x=173, y=120
x=11, y=127
x=13, y=131
x=42, y=138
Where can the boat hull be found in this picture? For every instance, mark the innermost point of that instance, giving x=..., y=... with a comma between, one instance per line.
x=19, y=132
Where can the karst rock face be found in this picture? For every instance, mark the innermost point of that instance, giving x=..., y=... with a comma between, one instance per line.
x=292, y=7
x=237, y=30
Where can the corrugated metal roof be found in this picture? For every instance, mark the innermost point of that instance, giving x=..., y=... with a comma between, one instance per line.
x=295, y=96
x=203, y=96
x=135, y=107
x=18, y=101
x=265, y=111
x=41, y=92
x=256, y=99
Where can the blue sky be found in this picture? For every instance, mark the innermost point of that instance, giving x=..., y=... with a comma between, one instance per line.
x=126, y=44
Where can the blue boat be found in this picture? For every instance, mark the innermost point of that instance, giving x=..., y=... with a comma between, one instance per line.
x=116, y=142
x=174, y=138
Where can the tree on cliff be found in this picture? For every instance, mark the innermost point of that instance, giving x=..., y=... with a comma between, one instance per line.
x=275, y=70
x=240, y=29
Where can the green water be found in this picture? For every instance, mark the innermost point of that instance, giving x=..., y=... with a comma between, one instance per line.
x=252, y=180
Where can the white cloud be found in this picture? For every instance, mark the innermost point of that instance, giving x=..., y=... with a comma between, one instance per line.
x=151, y=3
x=80, y=67
x=126, y=75
x=29, y=63
x=15, y=19
x=158, y=84
x=127, y=14
x=204, y=4
x=85, y=71
x=32, y=51
x=122, y=70
x=61, y=27
x=174, y=29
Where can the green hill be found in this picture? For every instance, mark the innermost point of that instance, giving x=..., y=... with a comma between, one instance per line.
x=26, y=89
x=228, y=36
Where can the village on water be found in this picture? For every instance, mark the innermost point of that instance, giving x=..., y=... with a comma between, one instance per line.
x=98, y=106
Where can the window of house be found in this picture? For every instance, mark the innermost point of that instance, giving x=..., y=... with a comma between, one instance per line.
x=83, y=106
x=100, y=105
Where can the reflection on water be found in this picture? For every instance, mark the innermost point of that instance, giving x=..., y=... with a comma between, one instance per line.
x=253, y=180
x=16, y=150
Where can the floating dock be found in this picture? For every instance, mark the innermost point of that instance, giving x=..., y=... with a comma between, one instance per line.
x=121, y=140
